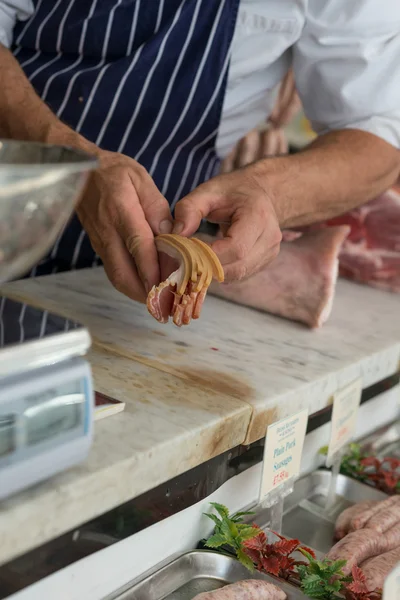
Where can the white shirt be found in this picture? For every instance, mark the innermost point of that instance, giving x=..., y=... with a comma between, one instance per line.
x=345, y=55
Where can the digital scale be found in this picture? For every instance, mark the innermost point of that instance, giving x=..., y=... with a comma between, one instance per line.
x=46, y=395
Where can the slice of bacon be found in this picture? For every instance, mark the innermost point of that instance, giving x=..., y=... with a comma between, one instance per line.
x=182, y=294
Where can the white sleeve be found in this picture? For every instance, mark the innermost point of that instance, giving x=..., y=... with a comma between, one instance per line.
x=12, y=11
x=347, y=66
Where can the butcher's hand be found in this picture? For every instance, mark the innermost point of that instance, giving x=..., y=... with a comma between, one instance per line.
x=122, y=210
x=251, y=230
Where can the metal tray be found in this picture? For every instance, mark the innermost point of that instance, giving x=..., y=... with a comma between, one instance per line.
x=305, y=517
x=193, y=573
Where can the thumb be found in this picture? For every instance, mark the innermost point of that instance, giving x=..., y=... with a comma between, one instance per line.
x=191, y=210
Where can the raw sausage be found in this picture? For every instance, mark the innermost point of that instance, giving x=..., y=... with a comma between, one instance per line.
x=343, y=522
x=384, y=519
x=357, y=547
x=250, y=589
x=378, y=568
x=360, y=545
x=392, y=537
x=360, y=520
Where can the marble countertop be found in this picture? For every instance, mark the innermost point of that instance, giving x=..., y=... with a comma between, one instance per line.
x=191, y=393
x=152, y=440
x=271, y=364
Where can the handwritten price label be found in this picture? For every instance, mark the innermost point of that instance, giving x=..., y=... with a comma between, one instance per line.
x=282, y=476
x=391, y=588
x=346, y=403
x=282, y=452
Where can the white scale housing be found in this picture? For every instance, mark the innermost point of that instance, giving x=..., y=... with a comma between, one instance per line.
x=46, y=395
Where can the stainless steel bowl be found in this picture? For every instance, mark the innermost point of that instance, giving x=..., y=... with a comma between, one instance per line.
x=39, y=187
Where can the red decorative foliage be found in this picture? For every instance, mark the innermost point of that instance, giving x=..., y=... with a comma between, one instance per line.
x=357, y=589
x=383, y=474
x=276, y=558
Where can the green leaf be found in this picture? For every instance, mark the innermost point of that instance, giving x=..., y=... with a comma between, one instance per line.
x=225, y=530
x=216, y=541
x=334, y=588
x=213, y=518
x=355, y=450
x=311, y=586
x=233, y=528
x=247, y=533
x=337, y=565
x=323, y=450
x=316, y=577
x=312, y=579
x=307, y=554
x=237, y=517
x=302, y=571
x=221, y=509
x=245, y=560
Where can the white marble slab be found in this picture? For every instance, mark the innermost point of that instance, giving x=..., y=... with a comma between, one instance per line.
x=167, y=428
x=276, y=366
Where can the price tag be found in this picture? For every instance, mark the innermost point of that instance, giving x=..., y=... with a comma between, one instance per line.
x=391, y=588
x=346, y=403
x=282, y=452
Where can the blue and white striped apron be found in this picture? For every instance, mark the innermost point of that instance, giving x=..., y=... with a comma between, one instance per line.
x=142, y=77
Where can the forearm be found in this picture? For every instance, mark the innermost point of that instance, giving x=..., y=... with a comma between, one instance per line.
x=335, y=174
x=24, y=116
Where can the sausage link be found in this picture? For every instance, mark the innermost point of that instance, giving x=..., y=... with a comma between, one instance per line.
x=384, y=519
x=378, y=568
x=392, y=537
x=360, y=520
x=360, y=545
x=249, y=589
x=343, y=522
x=357, y=547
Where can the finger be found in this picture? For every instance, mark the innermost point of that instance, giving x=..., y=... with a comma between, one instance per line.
x=276, y=112
x=283, y=143
x=244, y=231
x=228, y=164
x=289, y=109
x=155, y=207
x=260, y=257
x=287, y=104
x=191, y=210
x=248, y=149
x=138, y=238
x=121, y=271
x=269, y=142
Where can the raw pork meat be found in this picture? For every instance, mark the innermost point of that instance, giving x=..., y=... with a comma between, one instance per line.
x=299, y=284
x=371, y=253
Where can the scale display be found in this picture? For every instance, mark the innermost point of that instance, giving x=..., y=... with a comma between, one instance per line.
x=58, y=412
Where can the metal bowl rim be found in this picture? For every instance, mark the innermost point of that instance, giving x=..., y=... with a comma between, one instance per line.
x=85, y=161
